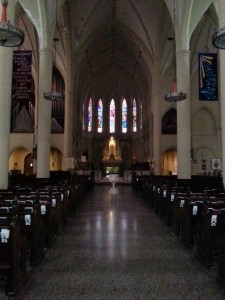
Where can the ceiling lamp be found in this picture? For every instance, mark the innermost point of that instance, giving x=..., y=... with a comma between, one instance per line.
x=54, y=95
x=10, y=36
x=175, y=96
x=218, y=38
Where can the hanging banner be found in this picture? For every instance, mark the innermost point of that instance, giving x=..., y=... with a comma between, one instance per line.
x=22, y=113
x=208, y=81
x=21, y=75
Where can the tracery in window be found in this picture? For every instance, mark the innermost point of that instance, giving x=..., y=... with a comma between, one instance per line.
x=124, y=116
x=134, y=116
x=90, y=115
x=112, y=117
x=100, y=115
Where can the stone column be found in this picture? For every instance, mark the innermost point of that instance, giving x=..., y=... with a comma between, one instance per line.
x=156, y=100
x=44, y=114
x=68, y=127
x=183, y=116
x=221, y=79
x=6, y=58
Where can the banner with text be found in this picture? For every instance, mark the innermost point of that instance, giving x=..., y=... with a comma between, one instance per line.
x=22, y=113
x=208, y=81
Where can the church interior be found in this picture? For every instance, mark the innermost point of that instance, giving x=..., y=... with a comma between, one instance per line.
x=112, y=138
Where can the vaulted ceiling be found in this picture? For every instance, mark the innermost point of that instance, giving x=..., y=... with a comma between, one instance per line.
x=114, y=43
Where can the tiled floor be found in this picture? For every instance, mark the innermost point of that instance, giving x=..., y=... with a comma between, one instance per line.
x=117, y=248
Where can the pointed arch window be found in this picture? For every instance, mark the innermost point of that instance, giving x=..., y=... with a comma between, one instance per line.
x=112, y=117
x=134, y=115
x=124, y=116
x=141, y=115
x=83, y=115
x=90, y=115
x=100, y=115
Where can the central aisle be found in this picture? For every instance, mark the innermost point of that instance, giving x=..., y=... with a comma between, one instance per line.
x=117, y=248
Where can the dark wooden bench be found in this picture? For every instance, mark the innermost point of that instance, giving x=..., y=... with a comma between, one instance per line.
x=210, y=234
x=13, y=271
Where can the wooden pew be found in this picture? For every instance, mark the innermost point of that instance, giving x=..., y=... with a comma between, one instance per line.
x=13, y=272
x=210, y=234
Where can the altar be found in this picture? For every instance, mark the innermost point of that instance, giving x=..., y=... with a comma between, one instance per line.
x=112, y=161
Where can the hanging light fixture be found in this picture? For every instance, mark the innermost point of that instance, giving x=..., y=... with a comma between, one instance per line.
x=10, y=36
x=54, y=95
x=174, y=96
x=218, y=38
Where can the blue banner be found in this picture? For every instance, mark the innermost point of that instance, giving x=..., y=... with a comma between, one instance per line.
x=208, y=82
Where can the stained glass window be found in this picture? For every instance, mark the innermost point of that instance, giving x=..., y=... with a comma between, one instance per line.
x=83, y=116
x=141, y=115
x=112, y=117
x=100, y=115
x=134, y=116
x=90, y=115
x=124, y=116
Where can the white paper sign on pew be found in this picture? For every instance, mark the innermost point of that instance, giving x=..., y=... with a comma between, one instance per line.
x=27, y=219
x=195, y=210
x=5, y=235
x=53, y=202
x=213, y=220
x=43, y=209
x=182, y=203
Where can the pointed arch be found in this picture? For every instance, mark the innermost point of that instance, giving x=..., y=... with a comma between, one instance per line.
x=90, y=116
x=134, y=115
x=141, y=116
x=169, y=122
x=100, y=116
x=124, y=115
x=83, y=115
x=112, y=116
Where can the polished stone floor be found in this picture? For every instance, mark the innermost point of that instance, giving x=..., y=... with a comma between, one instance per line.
x=117, y=248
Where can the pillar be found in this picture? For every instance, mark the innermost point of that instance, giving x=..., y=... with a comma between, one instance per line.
x=183, y=116
x=221, y=79
x=156, y=100
x=44, y=114
x=6, y=58
x=68, y=127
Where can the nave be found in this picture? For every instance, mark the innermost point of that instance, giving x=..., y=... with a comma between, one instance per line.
x=116, y=247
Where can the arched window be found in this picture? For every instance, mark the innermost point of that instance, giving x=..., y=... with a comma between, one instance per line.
x=100, y=115
x=169, y=122
x=124, y=116
x=134, y=116
x=83, y=116
x=90, y=115
x=141, y=115
x=112, y=117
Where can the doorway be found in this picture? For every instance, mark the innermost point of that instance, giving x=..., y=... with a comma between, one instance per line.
x=169, y=162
